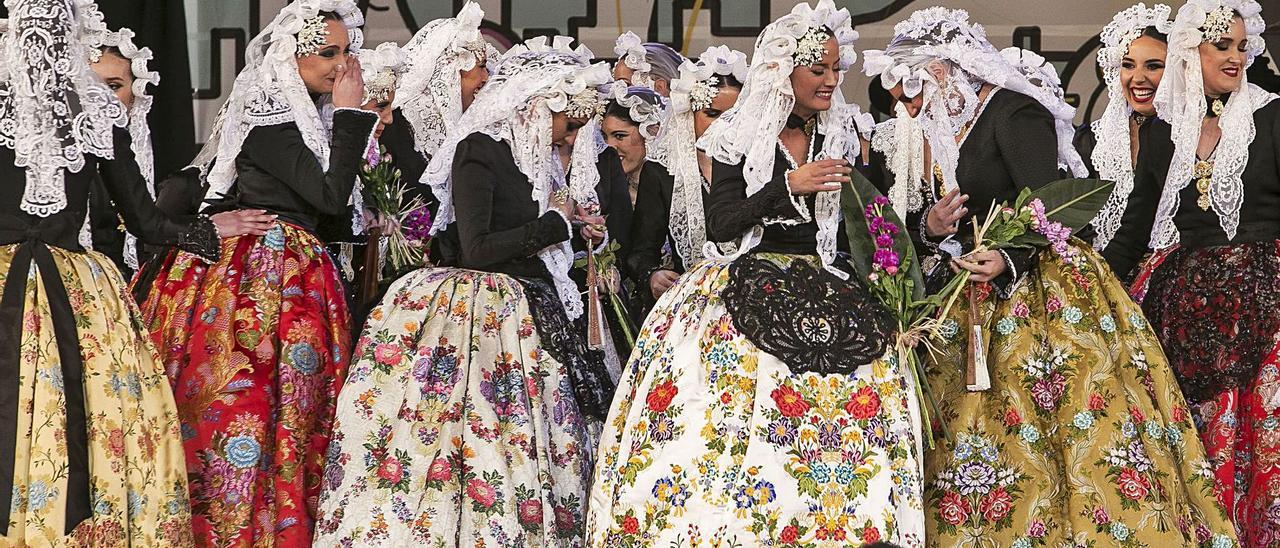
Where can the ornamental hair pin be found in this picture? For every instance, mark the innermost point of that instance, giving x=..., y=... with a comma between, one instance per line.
x=379, y=88
x=585, y=104
x=313, y=36
x=703, y=92
x=95, y=55
x=811, y=47
x=1217, y=23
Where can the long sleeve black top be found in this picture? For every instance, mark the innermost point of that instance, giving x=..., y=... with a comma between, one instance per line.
x=730, y=212
x=1259, y=216
x=277, y=172
x=498, y=224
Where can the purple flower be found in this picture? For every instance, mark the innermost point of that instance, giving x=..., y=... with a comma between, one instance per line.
x=372, y=156
x=417, y=225
x=884, y=240
x=880, y=201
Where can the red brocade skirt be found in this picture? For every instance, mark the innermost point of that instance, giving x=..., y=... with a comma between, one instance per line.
x=1216, y=311
x=256, y=347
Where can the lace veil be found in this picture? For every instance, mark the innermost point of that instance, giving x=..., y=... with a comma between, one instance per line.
x=53, y=109
x=533, y=81
x=139, y=129
x=674, y=147
x=942, y=34
x=749, y=130
x=1111, y=155
x=430, y=96
x=1180, y=100
x=269, y=91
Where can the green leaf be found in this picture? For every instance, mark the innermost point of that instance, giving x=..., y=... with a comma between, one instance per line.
x=853, y=202
x=1074, y=202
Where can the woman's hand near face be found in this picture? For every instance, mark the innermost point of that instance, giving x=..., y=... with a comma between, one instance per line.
x=348, y=87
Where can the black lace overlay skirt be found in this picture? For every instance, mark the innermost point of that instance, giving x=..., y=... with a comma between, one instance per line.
x=812, y=320
x=568, y=345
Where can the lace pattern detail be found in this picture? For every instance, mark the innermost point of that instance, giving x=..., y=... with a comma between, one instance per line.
x=1180, y=101
x=269, y=91
x=947, y=34
x=532, y=81
x=430, y=95
x=53, y=112
x=811, y=320
x=902, y=143
x=592, y=386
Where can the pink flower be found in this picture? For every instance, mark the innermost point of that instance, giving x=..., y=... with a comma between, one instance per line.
x=1036, y=529
x=1053, y=305
x=386, y=354
x=1133, y=485
x=564, y=518
x=954, y=508
x=440, y=470
x=1100, y=516
x=996, y=505
x=1021, y=310
x=481, y=492
x=530, y=512
x=391, y=470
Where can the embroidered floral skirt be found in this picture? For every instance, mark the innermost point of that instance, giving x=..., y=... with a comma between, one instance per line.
x=137, y=484
x=1216, y=310
x=256, y=348
x=1083, y=437
x=714, y=442
x=457, y=425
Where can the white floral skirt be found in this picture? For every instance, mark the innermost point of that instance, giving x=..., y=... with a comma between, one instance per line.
x=712, y=441
x=455, y=427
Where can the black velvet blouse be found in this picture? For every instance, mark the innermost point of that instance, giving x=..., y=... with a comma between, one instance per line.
x=730, y=212
x=1012, y=145
x=277, y=172
x=650, y=225
x=1259, y=216
x=498, y=224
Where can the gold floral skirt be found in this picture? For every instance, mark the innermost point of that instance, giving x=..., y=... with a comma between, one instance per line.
x=137, y=477
x=1083, y=438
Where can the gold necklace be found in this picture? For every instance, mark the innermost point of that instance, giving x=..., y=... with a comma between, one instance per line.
x=1203, y=173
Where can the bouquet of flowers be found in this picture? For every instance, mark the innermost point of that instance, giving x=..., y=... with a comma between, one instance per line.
x=403, y=227
x=885, y=258
x=603, y=266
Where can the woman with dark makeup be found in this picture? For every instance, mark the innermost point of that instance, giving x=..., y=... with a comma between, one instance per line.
x=1207, y=199
x=759, y=407
x=256, y=345
x=668, y=227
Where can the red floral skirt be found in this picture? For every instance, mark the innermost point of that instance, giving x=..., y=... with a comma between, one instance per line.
x=1216, y=311
x=256, y=347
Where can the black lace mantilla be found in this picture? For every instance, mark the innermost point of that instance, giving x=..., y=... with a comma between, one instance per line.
x=806, y=316
x=201, y=239
x=591, y=384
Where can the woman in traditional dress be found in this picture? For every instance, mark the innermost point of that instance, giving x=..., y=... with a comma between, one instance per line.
x=759, y=407
x=646, y=64
x=1132, y=59
x=89, y=445
x=256, y=345
x=464, y=418
x=668, y=227
x=448, y=63
x=1207, y=199
x=122, y=65
x=1082, y=435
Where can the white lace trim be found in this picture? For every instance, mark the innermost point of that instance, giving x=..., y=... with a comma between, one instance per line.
x=948, y=35
x=1112, y=157
x=516, y=106
x=765, y=103
x=53, y=109
x=630, y=51
x=269, y=91
x=902, y=143
x=1180, y=101
x=430, y=96
x=139, y=129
